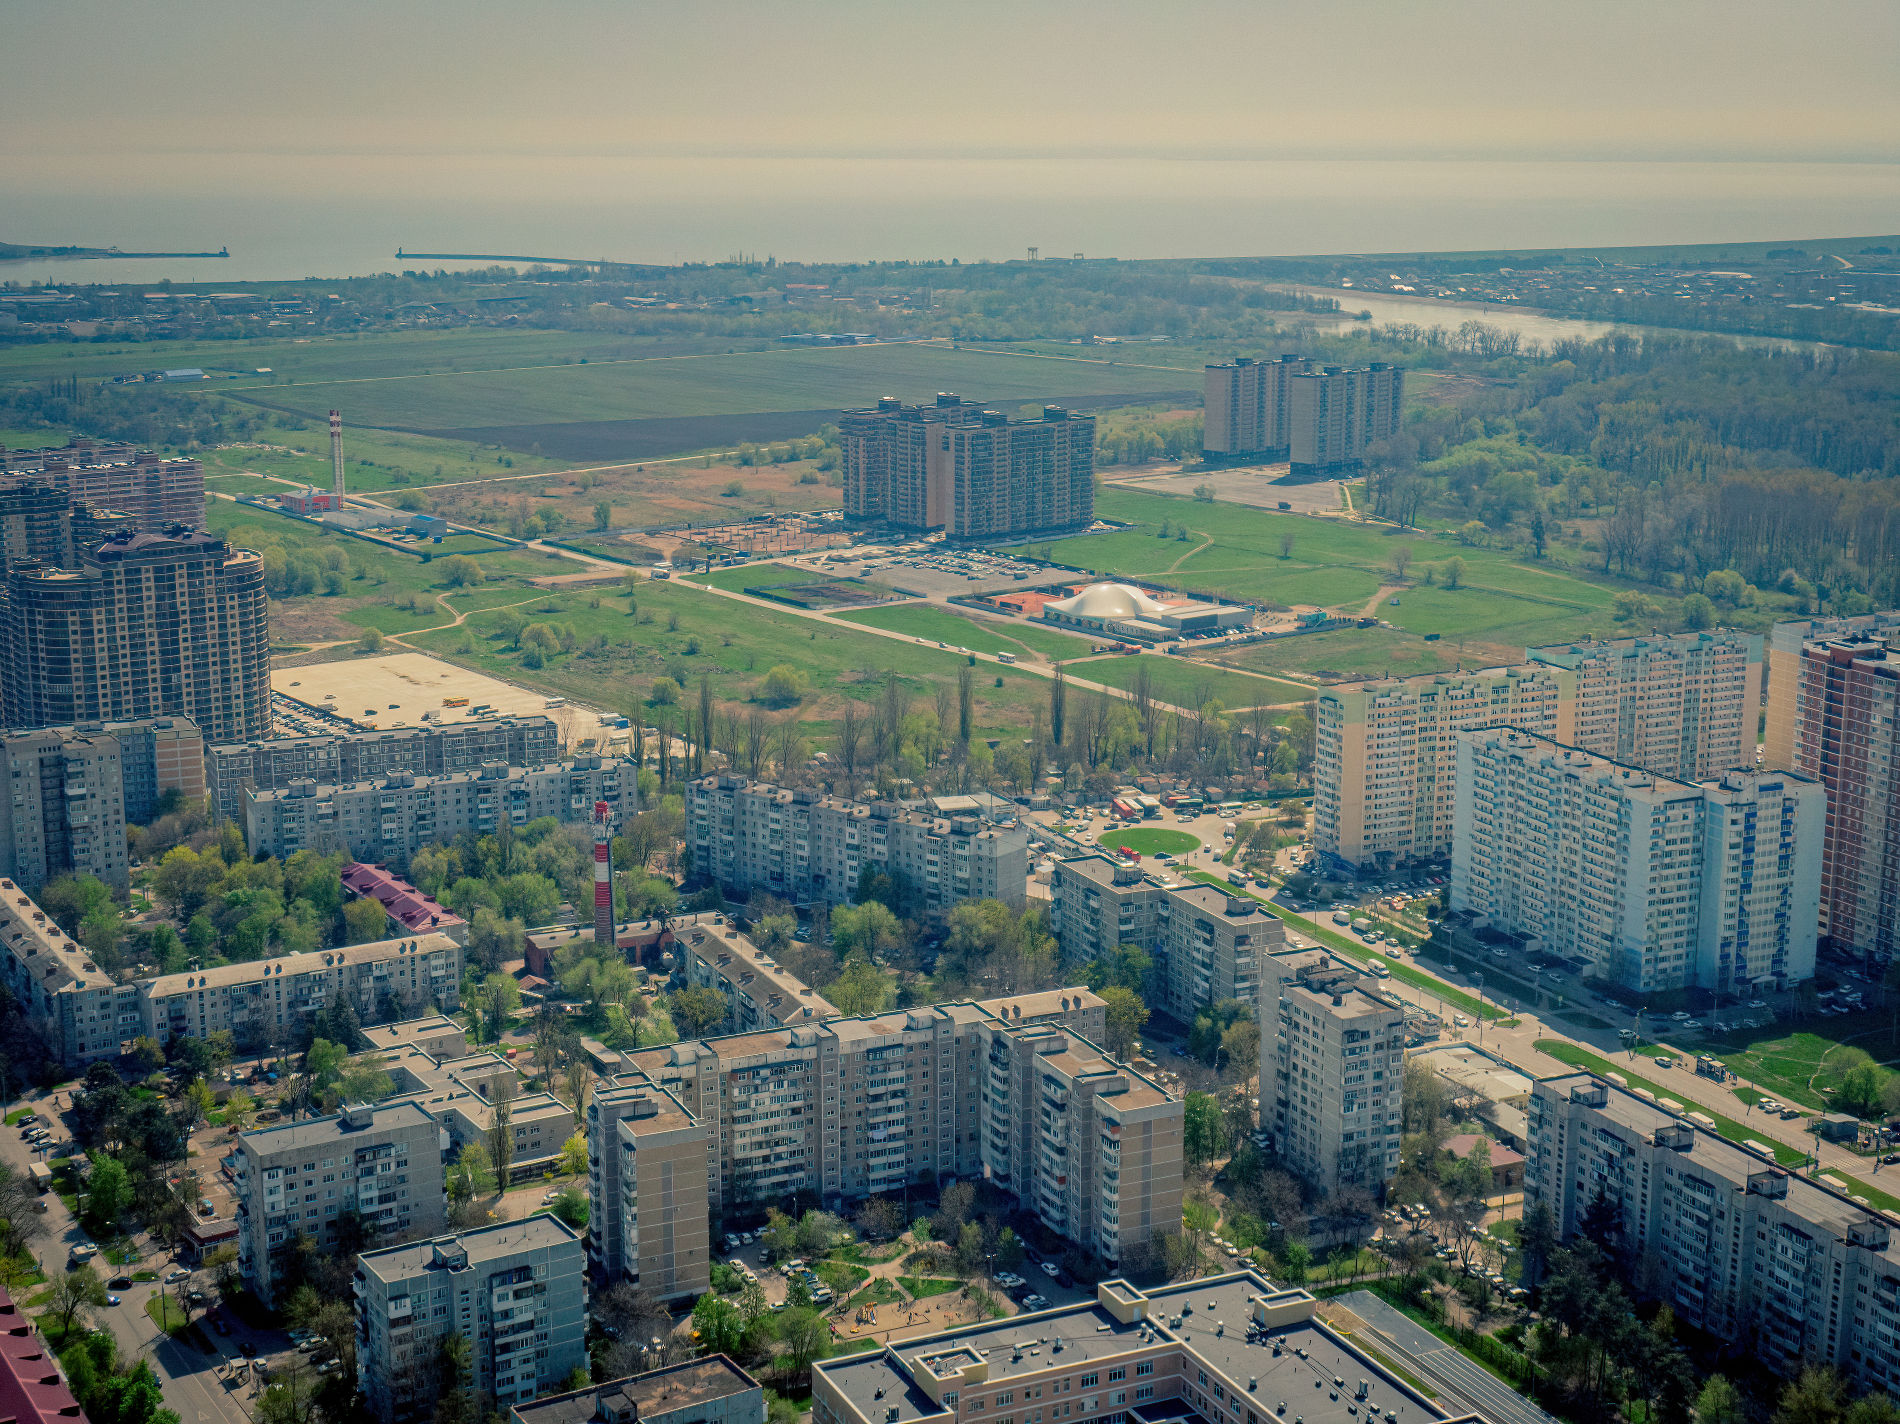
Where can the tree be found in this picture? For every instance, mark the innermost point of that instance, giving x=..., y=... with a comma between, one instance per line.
x=783, y=686
x=574, y=1156
x=1698, y=612
x=1125, y=1014
x=1286, y=545
x=697, y=1010
x=879, y=1219
x=371, y=641
x=805, y=1336
x=1453, y=571
x=363, y=921
x=861, y=989
x=470, y=1175
x=603, y=515
x=72, y=1293
x=1720, y=1402
x=1127, y=966
x=1203, y=1134
x=108, y=1194
x=501, y=1138
x=1815, y=1396
x=500, y=997
x=460, y=571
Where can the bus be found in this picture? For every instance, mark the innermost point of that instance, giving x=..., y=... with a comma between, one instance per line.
x=1006, y=657
x=455, y=702
x=1150, y=806
x=1125, y=808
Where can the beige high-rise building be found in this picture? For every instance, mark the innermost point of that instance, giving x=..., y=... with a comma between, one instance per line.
x=1337, y=412
x=1385, y=754
x=649, y=1183
x=146, y=625
x=1785, y=643
x=1332, y=1054
x=1847, y=737
x=157, y=492
x=1682, y=705
x=969, y=471
x=1247, y=408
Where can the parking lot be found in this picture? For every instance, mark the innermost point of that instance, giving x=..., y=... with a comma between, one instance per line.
x=928, y=567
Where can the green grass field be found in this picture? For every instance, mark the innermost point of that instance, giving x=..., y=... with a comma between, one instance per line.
x=1504, y=602
x=1347, y=652
x=982, y=635
x=301, y=452
x=745, y=576
x=1788, y=1066
x=1151, y=840
x=682, y=631
x=723, y=383
x=1185, y=683
x=1577, y=1057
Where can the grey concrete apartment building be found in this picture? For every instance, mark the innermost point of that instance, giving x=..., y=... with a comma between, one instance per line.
x=83, y=1015
x=381, y=1164
x=711, y=1390
x=1332, y=1055
x=1653, y=883
x=1230, y=1349
x=1089, y=1145
x=806, y=847
x=759, y=992
x=268, y=1001
x=830, y=1112
x=389, y=819
x=232, y=768
x=1208, y=945
x=74, y=790
x=513, y=1290
x=1790, y=1269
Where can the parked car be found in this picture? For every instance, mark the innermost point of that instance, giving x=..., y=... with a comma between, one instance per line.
x=1033, y=1302
x=1665, y=1062
x=1051, y=1269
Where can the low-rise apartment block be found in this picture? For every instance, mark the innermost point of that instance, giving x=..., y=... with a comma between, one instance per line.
x=829, y=1112
x=1847, y=737
x=711, y=1390
x=83, y=1016
x=1219, y=1349
x=514, y=1291
x=1683, y=705
x=268, y=1001
x=1385, y=755
x=389, y=820
x=809, y=848
x=759, y=992
x=1656, y=883
x=233, y=768
x=76, y=789
x=1332, y=1055
x=378, y=1164
x=1784, y=657
x=1089, y=1145
x=1208, y=945
x=1789, y=1269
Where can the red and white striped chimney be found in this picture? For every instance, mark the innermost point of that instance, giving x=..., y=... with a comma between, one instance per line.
x=603, y=878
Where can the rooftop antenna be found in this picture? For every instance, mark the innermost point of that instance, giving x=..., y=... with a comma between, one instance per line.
x=336, y=456
x=1033, y=253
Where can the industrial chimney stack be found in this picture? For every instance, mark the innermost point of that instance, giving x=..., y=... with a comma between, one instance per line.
x=336, y=456
x=603, y=879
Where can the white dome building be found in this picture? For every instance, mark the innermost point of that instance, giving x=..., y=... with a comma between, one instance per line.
x=1120, y=610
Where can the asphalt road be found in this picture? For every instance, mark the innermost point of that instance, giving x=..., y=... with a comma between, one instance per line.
x=187, y=1378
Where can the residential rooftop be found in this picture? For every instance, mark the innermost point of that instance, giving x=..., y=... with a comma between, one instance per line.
x=322, y=1131
x=293, y=964
x=691, y=1385
x=471, y=1248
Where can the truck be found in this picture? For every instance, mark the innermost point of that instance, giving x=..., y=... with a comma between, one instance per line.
x=1708, y=1067
x=1006, y=657
x=40, y=1175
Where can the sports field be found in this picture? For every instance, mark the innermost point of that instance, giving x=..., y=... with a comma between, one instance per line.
x=982, y=635
x=1152, y=840
x=1504, y=601
x=1190, y=684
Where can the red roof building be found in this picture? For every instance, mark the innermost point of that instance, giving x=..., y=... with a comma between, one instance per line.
x=1507, y=1167
x=402, y=902
x=30, y=1384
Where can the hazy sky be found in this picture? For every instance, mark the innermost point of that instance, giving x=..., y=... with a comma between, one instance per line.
x=393, y=95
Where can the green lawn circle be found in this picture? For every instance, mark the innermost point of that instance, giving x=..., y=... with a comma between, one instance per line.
x=1152, y=840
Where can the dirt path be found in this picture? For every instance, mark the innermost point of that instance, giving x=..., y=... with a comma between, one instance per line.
x=1371, y=609
x=1206, y=541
